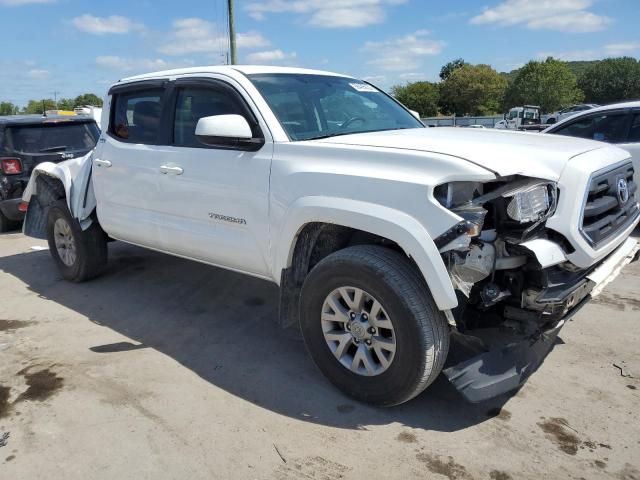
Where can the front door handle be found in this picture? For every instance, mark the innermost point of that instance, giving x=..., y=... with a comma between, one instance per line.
x=102, y=163
x=171, y=170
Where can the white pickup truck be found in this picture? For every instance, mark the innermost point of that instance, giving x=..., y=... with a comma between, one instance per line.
x=390, y=241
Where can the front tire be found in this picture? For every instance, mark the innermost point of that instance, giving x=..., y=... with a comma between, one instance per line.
x=80, y=255
x=371, y=325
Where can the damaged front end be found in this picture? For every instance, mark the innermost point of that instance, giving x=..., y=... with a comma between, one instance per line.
x=512, y=301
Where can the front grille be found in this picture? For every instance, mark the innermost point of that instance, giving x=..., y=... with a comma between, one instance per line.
x=606, y=211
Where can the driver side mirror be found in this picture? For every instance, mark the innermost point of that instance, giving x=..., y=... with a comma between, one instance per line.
x=227, y=131
x=415, y=114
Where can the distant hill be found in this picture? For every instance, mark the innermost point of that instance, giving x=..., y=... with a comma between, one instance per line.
x=577, y=67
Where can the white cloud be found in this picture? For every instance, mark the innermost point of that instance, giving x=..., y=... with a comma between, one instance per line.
x=19, y=3
x=327, y=13
x=105, y=25
x=270, y=57
x=195, y=35
x=251, y=40
x=620, y=49
x=347, y=17
x=609, y=50
x=38, y=73
x=569, y=16
x=411, y=76
x=403, y=53
x=376, y=79
x=142, y=65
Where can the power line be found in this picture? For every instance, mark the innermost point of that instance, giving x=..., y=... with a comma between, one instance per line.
x=219, y=27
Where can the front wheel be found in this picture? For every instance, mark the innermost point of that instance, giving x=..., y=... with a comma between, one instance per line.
x=371, y=325
x=79, y=254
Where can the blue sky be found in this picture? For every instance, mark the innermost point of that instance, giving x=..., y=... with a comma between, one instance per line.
x=77, y=46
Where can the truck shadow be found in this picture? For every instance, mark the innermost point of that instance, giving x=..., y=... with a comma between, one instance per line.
x=222, y=326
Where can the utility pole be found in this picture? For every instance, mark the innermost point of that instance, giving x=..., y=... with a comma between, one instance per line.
x=232, y=34
x=55, y=97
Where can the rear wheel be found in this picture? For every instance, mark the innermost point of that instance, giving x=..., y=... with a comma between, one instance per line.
x=371, y=325
x=80, y=255
x=6, y=224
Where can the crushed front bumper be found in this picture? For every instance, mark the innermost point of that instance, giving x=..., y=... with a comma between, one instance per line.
x=506, y=367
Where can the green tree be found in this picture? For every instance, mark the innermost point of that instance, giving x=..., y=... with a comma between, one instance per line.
x=88, y=99
x=8, y=108
x=66, y=104
x=549, y=84
x=37, y=106
x=419, y=96
x=611, y=80
x=472, y=90
x=449, y=68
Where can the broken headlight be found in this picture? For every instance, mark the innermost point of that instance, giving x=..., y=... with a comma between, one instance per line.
x=457, y=197
x=456, y=194
x=531, y=203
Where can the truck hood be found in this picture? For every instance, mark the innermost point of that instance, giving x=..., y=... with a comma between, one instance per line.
x=502, y=152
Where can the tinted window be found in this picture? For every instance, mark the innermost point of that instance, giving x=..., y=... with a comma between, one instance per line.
x=634, y=133
x=604, y=127
x=54, y=137
x=314, y=106
x=192, y=104
x=136, y=116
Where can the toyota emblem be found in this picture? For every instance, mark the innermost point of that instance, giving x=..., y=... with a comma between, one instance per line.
x=623, y=191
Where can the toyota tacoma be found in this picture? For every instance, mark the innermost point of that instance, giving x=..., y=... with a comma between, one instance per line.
x=389, y=241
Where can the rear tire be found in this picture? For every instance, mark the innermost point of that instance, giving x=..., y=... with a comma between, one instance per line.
x=408, y=318
x=79, y=254
x=4, y=223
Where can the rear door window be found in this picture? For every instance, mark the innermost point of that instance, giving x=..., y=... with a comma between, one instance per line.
x=604, y=127
x=136, y=116
x=52, y=137
x=634, y=131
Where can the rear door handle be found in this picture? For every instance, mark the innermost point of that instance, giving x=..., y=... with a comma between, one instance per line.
x=102, y=163
x=171, y=170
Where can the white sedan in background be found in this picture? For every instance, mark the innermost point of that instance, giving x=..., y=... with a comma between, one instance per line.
x=618, y=123
x=569, y=112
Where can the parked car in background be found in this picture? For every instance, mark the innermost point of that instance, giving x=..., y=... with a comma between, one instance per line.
x=94, y=112
x=618, y=123
x=26, y=141
x=526, y=118
x=569, y=112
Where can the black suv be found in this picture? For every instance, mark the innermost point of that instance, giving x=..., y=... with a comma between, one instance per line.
x=27, y=140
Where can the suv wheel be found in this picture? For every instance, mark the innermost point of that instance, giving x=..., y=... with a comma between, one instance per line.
x=371, y=325
x=80, y=255
x=7, y=224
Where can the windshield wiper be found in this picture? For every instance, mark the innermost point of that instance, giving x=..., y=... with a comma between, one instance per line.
x=339, y=134
x=53, y=149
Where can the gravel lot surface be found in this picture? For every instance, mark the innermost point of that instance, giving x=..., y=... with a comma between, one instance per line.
x=167, y=369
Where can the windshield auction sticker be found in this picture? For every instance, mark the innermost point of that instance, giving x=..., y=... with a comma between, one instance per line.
x=362, y=87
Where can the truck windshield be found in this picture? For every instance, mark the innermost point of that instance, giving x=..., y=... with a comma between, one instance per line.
x=320, y=106
x=52, y=137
